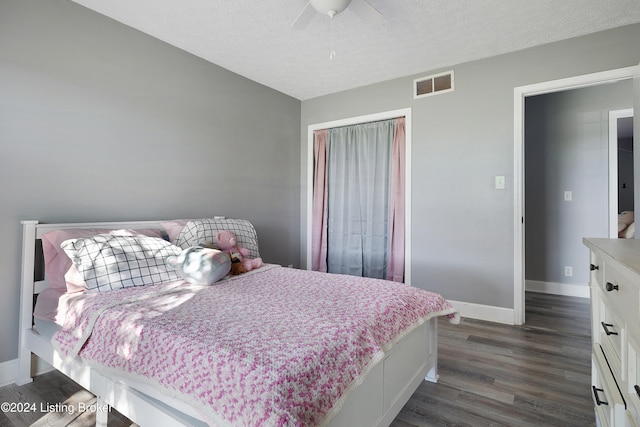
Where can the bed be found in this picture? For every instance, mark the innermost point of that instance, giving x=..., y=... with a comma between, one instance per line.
x=263, y=348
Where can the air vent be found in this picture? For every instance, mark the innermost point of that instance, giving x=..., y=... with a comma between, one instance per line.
x=433, y=85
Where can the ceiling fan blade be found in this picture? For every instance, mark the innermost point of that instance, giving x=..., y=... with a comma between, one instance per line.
x=307, y=14
x=365, y=11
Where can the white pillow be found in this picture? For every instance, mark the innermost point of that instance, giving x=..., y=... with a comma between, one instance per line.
x=174, y=227
x=110, y=262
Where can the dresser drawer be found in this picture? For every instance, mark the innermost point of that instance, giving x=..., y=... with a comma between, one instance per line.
x=633, y=382
x=609, y=404
x=621, y=294
x=611, y=331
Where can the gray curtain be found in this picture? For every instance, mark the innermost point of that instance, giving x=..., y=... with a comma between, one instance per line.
x=358, y=185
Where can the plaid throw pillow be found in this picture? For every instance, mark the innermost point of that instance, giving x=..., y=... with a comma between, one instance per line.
x=109, y=262
x=199, y=231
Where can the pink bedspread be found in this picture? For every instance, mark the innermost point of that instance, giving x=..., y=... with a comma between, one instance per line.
x=274, y=347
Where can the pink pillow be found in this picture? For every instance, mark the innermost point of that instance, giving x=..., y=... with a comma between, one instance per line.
x=61, y=272
x=53, y=305
x=174, y=228
x=47, y=304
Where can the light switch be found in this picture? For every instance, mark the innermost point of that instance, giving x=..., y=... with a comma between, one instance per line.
x=500, y=182
x=568, y=196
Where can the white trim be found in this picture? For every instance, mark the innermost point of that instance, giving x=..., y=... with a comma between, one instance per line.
x=484, y=312
x=406, y=113
x=519, y=94
x=614, y=115
x=565, y=289
x=9, y=369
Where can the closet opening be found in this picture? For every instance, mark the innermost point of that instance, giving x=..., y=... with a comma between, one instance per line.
x=358, y=196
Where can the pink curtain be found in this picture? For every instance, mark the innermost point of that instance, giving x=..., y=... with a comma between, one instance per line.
x=319, y=208
x=395, y=259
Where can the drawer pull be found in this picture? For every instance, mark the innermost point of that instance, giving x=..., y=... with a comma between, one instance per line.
x=595, y=395
x=606, y=327
x=637, y=389
x=611, y=287
x=594, y=267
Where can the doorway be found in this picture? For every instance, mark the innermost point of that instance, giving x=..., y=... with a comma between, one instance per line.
x=567, y=183
x=520, y=93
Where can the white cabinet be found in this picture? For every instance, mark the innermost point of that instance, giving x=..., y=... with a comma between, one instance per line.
x=615, y=330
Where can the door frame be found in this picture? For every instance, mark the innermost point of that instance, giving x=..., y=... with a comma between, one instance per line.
x=404, y=112
x=614, y=115
x=519, y=95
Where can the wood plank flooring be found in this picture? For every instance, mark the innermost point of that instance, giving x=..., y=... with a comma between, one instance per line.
x=538, y=374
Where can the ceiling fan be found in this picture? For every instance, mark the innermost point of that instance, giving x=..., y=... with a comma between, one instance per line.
x=362, y=8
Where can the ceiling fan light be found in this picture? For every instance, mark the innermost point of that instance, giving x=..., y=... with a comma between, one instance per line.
x=330, y=6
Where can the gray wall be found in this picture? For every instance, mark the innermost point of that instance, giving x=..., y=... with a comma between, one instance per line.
x=566, y=149
x=462, y=235
x=99, y=122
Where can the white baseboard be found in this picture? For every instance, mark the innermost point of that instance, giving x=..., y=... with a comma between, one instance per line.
x=9, y=369
x=484, y=312
x=506, y=315
x=581, y=291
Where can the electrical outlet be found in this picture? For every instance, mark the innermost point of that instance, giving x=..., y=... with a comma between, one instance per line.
x=568, y=271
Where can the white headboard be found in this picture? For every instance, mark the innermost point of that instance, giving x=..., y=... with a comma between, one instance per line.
x=33, y=278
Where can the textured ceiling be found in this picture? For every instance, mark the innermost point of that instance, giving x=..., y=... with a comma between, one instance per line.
x=253, y=37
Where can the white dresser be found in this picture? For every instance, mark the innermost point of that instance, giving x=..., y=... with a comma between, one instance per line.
x=615, y=330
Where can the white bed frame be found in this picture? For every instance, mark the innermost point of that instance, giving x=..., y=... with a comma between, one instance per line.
x=376, y=402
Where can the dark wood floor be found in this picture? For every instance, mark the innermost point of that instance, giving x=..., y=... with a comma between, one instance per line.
x=538, y=374
x=490, y=375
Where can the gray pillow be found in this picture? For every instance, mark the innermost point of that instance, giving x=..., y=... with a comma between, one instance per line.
x=201, y=266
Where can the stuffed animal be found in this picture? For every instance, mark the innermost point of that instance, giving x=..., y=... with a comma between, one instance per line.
x=226, y=241
x=237, y=267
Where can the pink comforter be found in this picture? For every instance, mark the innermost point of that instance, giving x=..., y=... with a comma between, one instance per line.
x=274, y=347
